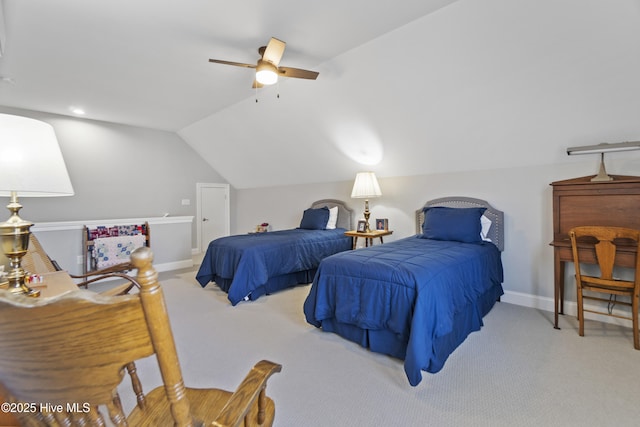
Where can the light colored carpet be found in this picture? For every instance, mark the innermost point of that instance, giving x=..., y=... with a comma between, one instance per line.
x=516, y=371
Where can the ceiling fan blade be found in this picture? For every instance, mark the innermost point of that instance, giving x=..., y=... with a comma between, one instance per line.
x=237, y=64
x=297, y=73
x=256, y=84
x=274, y=51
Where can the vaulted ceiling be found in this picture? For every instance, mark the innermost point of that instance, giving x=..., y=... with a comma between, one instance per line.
x=405, y=88
x=145, y=62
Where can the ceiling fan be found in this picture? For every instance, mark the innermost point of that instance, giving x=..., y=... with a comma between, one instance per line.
x=267, y=69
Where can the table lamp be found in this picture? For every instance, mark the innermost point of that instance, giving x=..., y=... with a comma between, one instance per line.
x=365, y=187
x=31, y=165
x=602, y=148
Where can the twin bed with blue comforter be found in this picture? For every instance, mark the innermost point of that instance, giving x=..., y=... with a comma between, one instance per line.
x=251, y=265
x=416, y=298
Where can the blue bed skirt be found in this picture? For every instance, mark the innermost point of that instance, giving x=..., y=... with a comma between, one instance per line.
x=273, y=285
x=387, y=342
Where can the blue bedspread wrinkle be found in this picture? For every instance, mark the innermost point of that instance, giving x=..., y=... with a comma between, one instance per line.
x=414, y=288
x=250, y=260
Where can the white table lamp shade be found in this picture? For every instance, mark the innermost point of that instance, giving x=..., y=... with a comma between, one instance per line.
x=31, y=163
x=366, y=186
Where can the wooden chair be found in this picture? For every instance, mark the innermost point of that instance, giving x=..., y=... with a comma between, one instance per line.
x=607, y=241
x=73, y=349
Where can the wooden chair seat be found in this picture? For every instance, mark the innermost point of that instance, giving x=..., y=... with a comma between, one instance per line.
x=205, y=404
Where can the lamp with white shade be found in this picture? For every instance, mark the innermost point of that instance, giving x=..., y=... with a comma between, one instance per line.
x=31, y=165
x=365, y=187
x=605, y=147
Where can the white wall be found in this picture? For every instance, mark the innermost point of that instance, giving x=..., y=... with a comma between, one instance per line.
x=119, y=171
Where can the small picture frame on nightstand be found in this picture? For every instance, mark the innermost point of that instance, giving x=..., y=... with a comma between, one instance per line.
x=362, y=226
x=382, y=224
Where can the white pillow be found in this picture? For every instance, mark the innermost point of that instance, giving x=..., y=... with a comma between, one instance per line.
x=333, y=218
x=486, y=226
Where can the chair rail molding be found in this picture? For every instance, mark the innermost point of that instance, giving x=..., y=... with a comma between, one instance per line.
x=170, y=240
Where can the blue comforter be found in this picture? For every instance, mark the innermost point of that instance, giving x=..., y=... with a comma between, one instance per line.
x=247, y=262
x=423, y=293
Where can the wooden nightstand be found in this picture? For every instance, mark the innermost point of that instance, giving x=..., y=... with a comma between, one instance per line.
x=368, y=237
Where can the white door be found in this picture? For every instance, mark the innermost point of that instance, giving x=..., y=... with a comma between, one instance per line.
x=213, y=213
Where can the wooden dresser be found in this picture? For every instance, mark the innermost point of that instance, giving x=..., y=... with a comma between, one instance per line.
x=579, y=201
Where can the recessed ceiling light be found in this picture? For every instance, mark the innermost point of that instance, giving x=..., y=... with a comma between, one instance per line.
x=77, y=110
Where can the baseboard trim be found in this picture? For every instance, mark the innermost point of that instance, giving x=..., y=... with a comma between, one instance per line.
x=570, y=307
x=167, y=266
x=78, y=225
x=174, y=265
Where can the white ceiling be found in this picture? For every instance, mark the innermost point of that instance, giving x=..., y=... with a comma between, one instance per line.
x=145, y=62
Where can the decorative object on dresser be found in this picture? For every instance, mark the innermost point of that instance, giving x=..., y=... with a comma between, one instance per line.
x=262, y=228
x=606, y=241
x=365, y=187
x=580, y=201
x=31, y=165
x=601, y=149
x=77, y=367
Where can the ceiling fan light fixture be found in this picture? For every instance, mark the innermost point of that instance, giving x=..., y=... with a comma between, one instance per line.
x=268, y=68
x=266, y=73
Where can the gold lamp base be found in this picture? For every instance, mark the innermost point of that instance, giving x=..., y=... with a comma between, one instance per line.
x=367, y=214
x=14, y=237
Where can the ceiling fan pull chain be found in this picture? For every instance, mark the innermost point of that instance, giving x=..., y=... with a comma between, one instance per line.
x=278, y=89
x=256, y=94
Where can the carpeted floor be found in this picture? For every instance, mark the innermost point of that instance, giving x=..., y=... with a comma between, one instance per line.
x=516, y=371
